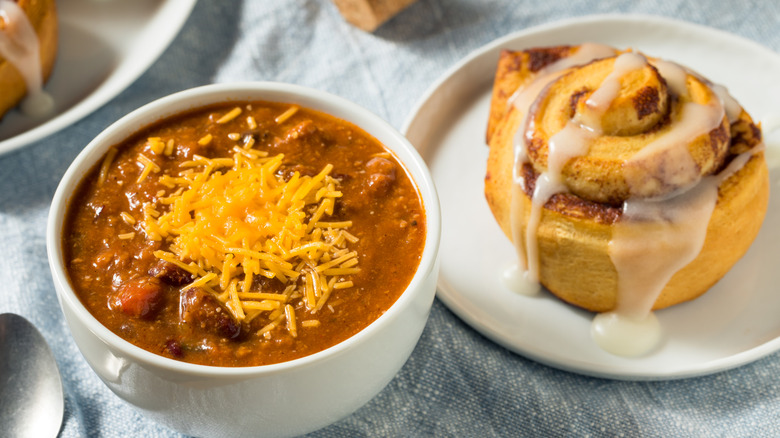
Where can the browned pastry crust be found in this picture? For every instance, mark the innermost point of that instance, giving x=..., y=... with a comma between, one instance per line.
x=574, y=232
x=43, y=16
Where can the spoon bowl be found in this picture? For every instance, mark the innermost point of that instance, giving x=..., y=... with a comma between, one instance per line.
x=31, y=399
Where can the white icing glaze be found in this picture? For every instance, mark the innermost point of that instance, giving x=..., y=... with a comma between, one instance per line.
x=523, y=99
x=737, y=163
x=733, y=108
x=625, y=336
x=19, y=45
x=572, y=141
x=37, y=104
x=664, y=161
x=516, y=279
x=515, y=213
x=588, y=52
x=675, y=76
x=599, y=101
x=655, y=239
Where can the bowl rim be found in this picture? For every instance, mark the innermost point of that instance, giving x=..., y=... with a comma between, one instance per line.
x=215, y=93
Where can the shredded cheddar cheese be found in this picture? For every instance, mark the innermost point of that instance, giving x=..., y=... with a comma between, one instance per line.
x=106, y=165
x=148, y=165
x=281, y=118
x=205, y=140
x=169, y=148
x=230, y=115
x=156, y=145
x=230, y=220
x=127, y=218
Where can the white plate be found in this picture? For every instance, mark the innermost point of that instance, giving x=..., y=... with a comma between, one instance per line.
x=104, y=45
x=734, y=323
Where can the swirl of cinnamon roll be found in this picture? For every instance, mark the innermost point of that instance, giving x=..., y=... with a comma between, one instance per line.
x=641, y=136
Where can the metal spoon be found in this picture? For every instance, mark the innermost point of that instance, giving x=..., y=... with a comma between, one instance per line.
x=31, y=400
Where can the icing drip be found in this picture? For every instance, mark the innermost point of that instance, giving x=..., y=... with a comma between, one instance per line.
x=19, y=45
x=665, y=161
x=588, y=52
x=598, y=103
x=516, y=275
x=515, y=279
x=523, y=99
x=676, y=78
x=572, y=141
x=656, y=238
x=622, y=336
x=674, y=75
x=653, y=240
x=732, y=107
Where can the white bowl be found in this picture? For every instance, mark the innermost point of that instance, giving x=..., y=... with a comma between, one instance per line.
x=283, y=399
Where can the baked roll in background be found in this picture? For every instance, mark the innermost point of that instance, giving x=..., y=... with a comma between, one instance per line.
x=42, y=16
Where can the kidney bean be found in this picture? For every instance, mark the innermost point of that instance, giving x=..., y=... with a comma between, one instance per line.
x=170, y=274
x=174, y=347
x=201, y=311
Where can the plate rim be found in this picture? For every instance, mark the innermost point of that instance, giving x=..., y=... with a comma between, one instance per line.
x=103, y=94
x=451, y=299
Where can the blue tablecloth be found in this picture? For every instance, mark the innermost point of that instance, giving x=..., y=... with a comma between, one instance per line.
x=457, y=383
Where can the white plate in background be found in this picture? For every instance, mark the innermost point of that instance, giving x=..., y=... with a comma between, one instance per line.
x=734, y=323
x=104, y=45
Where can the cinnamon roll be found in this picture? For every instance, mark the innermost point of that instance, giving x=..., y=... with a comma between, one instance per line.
x=28, y=47
x=627, y=183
